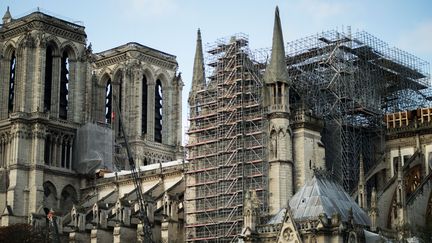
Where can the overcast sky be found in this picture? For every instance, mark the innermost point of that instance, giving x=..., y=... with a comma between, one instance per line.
x=170, y=25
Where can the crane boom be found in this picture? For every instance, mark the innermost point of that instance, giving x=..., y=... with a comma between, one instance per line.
x=142, y=214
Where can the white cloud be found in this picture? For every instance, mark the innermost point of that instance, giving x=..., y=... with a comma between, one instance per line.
x=418, y=38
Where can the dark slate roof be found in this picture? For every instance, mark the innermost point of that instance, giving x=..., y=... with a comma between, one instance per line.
x=323, y=195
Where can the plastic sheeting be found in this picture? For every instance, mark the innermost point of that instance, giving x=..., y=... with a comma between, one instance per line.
x=93, y=149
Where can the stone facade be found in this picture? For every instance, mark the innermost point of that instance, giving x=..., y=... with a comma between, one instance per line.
x=59, y=100
x=52, y=85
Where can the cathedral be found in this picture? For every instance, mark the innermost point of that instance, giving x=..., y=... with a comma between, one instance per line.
x=318, y=144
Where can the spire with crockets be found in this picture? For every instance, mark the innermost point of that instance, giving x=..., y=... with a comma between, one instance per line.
x=276, y=75
x=198, y=78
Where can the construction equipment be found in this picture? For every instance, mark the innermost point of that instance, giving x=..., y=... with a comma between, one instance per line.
x=142, y=214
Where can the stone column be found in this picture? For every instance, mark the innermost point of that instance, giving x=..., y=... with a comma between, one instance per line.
x=123, y=234
x=55, y=87
x=100, y=236
x=36, y=173
x=72, y=93
x=168, y=116
x=39, y=76
x=18, y=177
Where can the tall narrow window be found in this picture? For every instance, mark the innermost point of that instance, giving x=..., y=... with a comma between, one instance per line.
x=64, y=86
x=68, y=155
x=158, y=112
x=47, y=153
x=108, y=101
x=11, y=82
x=279, y=92
x=144, y=106
x=63, y=154
x=48, y=78
x=120, y=105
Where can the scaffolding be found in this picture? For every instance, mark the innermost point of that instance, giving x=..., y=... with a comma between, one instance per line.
x=351, y=81
x=226, y=143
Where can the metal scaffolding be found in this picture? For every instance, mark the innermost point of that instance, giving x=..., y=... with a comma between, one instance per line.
x=226, y=143
x=351, y=81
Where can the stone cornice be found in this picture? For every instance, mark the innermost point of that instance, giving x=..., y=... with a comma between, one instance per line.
x=152, y=175
x=135, y=51
x=45, y=23
x=273, y=115
x=408, y=131
x=42, y=118
x=46, y=169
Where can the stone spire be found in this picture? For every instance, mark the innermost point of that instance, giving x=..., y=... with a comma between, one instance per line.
x=373, y=210
x=198, y=78
x=399, y=165
x=7, y=17
x=250, y=217
x=277, y=69
x=362, y=185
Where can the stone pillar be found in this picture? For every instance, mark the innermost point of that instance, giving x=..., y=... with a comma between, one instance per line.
x=18, y=177
x=72, y=95
x=168, y=116
x=373, y=211
x=100, y=236
x=39, y=75
x=151, y=109
x=123, y=234
x=78, y=237
x=36, y=173
x=55, y=87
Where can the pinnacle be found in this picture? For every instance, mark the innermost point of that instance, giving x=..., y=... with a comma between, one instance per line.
x=277, y=70
x=198, y=78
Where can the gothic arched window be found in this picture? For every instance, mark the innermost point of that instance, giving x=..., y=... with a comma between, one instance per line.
x=50, y=195
x=158, y=112
x=108, y=101
x=68, y=198
x=48, y=78
x=12, y=68
x=64, y=86
x=144, y=106
x=119, y=100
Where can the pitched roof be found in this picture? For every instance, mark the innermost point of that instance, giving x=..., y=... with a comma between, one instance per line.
x=323, y=195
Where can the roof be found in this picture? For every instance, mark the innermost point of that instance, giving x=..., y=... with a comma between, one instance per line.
x=278, y=218
x=322, y=195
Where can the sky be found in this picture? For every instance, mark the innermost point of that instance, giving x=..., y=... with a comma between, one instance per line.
x=171, y=25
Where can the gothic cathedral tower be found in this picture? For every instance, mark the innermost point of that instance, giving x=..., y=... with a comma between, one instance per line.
x=43, y=68
x=276, y=104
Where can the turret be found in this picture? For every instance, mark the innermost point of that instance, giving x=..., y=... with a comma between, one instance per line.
x=280, y=136
x=400, y=200
x=373, y=210
x=7, y=17
x=276, y=75
x=250, y=216
x=198, y=77
x=362, y=185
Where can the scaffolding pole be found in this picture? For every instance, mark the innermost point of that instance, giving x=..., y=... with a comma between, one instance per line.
x=226, y=144
x=351, y=81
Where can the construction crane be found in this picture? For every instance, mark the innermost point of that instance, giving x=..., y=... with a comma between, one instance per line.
x=142, y=214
